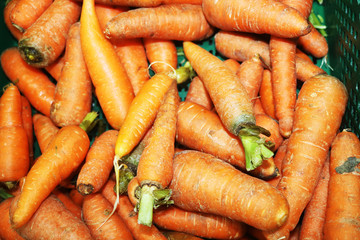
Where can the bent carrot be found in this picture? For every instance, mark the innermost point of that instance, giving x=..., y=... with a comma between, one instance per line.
x=14, y=154
x=231, y=102
x=314, y=43
x=32, y=82
x=26, y=115
x=271, y=17
x=187, y=23
x=6, y=13
x=6, y=231
x=342, y=211
x=105, y=69
x=228, y=194
x=44, y=41
x=44, y=130
x=266, y=94
x=198, y=94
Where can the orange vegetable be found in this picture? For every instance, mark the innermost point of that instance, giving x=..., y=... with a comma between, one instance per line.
x=6, y=13
x=26, y=114
x=278, y=160
x=266, y=94
x=44, y=130
x=76, y=197
x=272, y=125
x=232, y=64
x=55, y=68
x=6, y=231
x=198, y=94
x=314, y=43
x=68, y=203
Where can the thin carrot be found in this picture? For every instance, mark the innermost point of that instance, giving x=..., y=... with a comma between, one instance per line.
x=44, y=130
x=96, y=209
x=76, y=197
x=73, y=92
x=314, y=43
x=26, y=12
x=52, y=221
x=26, y=114
x=342, y=211
x=14, y=154
x=199, y=224
x=126, y=211
x=278, y=160
x=198, y=94
x=319, y=110
x=313, y=220
x=272, y=125
x=6, y=231
x=232, y=64
x=271, y=17
x=98, y=164
x=184, y=22
x=112, y=86
x=266, y=94
x=204, y=183
x=201, y=129
x=300, y=53
x=55, y=68
x=30, y=81
x=6, y=13
x=44, y=41
x=231, y=102
x=68, y=203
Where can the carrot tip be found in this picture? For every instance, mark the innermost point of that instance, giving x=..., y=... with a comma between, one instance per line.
x=85, y=189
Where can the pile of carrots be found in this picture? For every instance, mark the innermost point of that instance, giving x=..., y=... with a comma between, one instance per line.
x=255, y=149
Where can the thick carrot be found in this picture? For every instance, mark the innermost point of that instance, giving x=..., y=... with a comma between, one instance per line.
x=6, y=231
x=184, y=22
x=98, y=164
x=314, y=43
x=96, y=209
x=44, y=130
x=278, y=160
x=270, y=124
x=73, y=92
x=198, y=94
x=231, y=102
x=76, y=197
x=232, y=64
x=55, y=68
x=26, y=12
x=126, y=211
x=32, y=82
x=64, y=154
x=112, y=85
x=14, y=154
x=26, y=114
x=319, y=110
x=154, y=171
x=204, y=183
x=68, y=203
x=266, y=16
x=342, y=211
x=44, y=41
x=201, y=129
x=6, y=13
x=313, y=220
x=162, y=54
x=266, y=94
x=199, y=224
x=52, y=221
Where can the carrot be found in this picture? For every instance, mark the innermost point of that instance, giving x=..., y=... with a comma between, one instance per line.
x=342, y=211
x=48, y=32
x=26, y=12
x=95, y=210
x=201, y=129
x=314, y=43
x=64, y=154
x=26, y=114
x=203, y=183
x=187, y=23
x=6, y=231
x=52, y=221
x=199, y=224
x=303, y=55
x=232, y=64
x=198, y=94
x=154, y=171
x=14, y=154
x=171, y=235
x=98, y=164
x=258, y=108
x=319, y=110
x=30, y=81
x=105, y=13
x=126, y=211
x=129, y=3
x=270, y=124
x=55, y=68
x=44, y=130
x=266, y=94
x=6, y=13
x=197, y=2
x=314, y=215
x=278, y=160
x=133, y=191
x=112, y=86
x=76, y=197
x=305, y=69
x=271, y=17
x=73, y=94
x=231, y=102
x=68, y=203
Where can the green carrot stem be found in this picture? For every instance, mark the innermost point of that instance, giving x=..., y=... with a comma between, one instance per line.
x=88, y=123
x=146, y=205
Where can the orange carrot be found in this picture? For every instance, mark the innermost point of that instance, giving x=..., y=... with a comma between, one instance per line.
x=44, y=130
x=278, y=160
x=199, y=224
x=112, y=86
x=162, y=54
x=26, y=12
x=232, y=64
x=76, y=197
x=314, y=215
x=303, y=55
x=98, y=164
x=197, y=2
x=48, y=32
x=32, y=82
x=6, y=231
x=6, y=13
x=204, y=183
x=55, y=68
x=14, y=154
x=314, y=43
x=184, y=22
x=68, y=203
x=73, y=94
x=26, y=114
x=129, y=3
x=258, y=108
x=171, y=235
x=342, y=211
x=271, y=17
x=126, y=211
x=198, y=94
x=64, y=154
x=95, y=212
x=132, y=190
x=306, y=69
x=52, y=221
x=105, y=13
x=270, y=124
x=201, y=129
x=319, y=110
x=231, y=102
x=266, y=94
